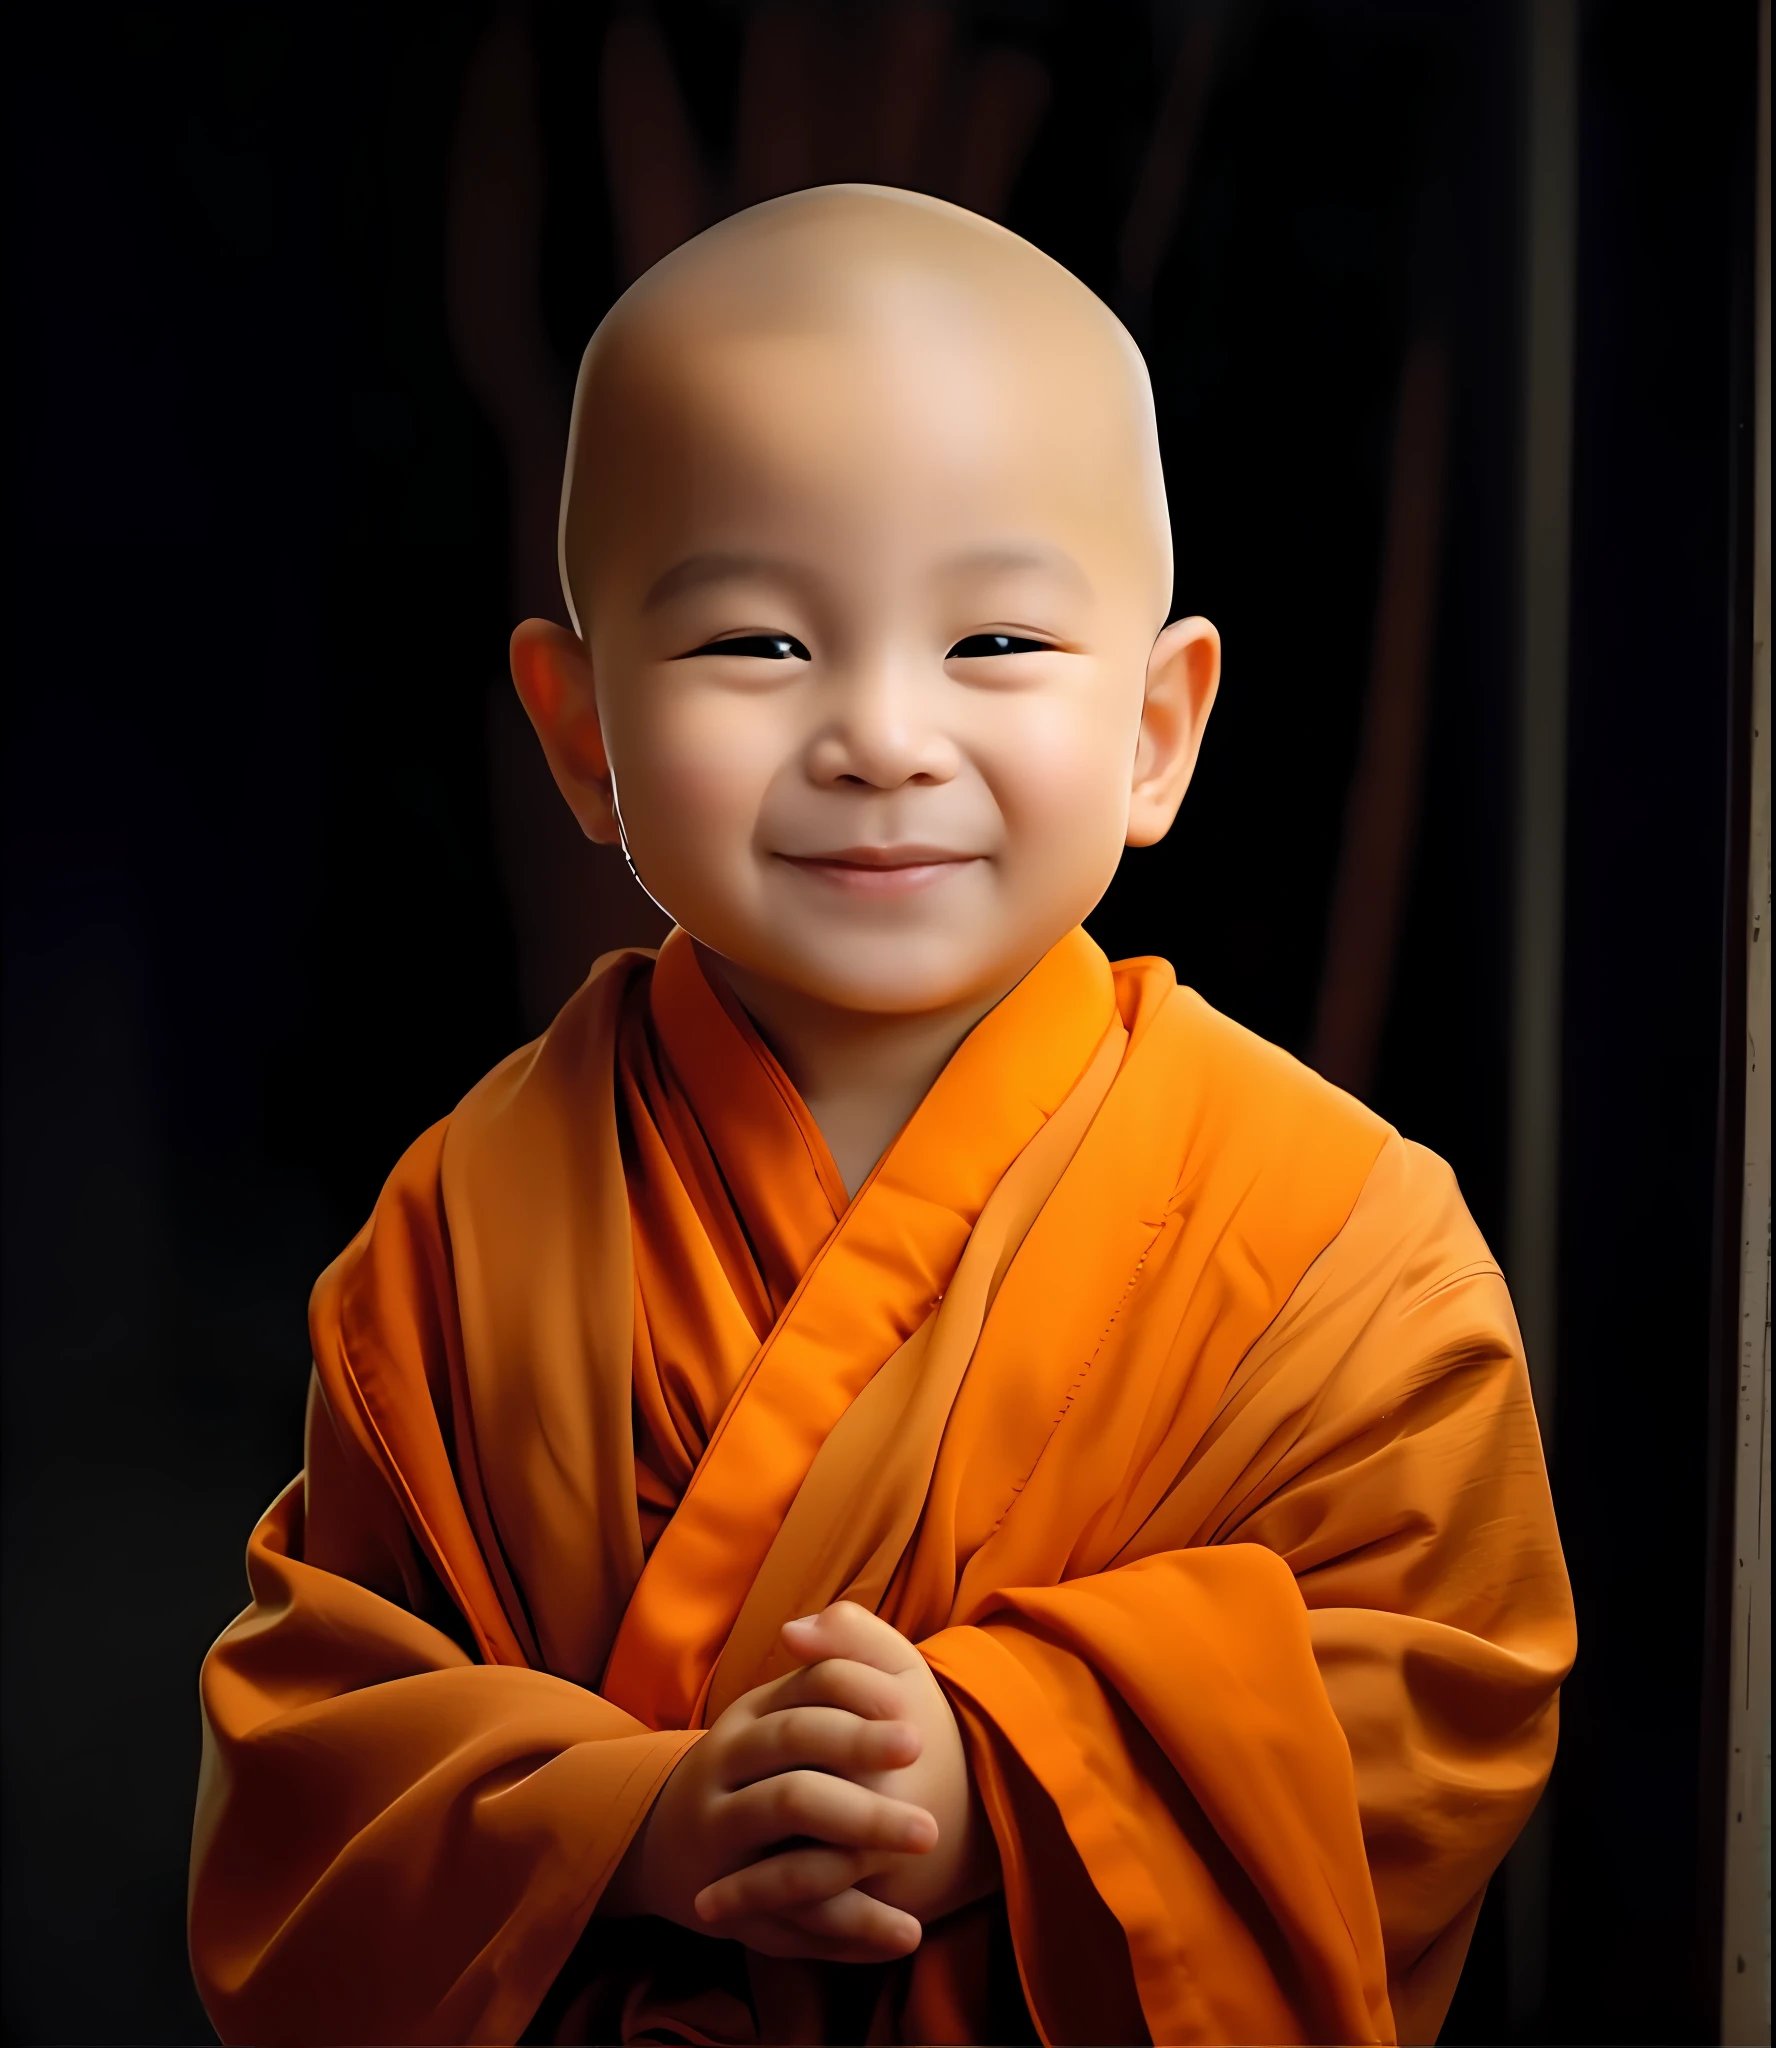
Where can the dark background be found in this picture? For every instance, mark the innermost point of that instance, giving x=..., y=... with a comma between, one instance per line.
x=295, y=295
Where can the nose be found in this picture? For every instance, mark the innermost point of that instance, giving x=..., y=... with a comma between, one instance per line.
x=879, y=729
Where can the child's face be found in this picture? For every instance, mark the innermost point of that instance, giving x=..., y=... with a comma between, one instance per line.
x=871, y=618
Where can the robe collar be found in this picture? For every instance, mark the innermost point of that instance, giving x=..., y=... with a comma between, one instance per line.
x=876, y=1276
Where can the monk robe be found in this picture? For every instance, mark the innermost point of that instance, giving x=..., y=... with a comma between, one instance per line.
x=1158, y=1391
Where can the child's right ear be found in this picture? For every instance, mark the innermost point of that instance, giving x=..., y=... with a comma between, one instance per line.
x=554, y=680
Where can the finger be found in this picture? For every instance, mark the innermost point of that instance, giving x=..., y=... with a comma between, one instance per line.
x=782, y=1883
x=876, y=1937
x=859, y=1689
x=853, y=1918
x=818, y=1738
x=847, y=1630
x=830, y=1810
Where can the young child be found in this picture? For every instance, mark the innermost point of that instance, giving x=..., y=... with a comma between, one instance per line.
x=887, y=1479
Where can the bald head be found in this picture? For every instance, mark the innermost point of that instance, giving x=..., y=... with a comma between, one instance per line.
x=866, y=542
x=912, y=331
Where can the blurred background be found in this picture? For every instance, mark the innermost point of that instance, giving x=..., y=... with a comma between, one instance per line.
x=1448, y=308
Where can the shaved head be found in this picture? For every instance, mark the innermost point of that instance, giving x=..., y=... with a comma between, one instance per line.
x=930, y=308
x=865, y=539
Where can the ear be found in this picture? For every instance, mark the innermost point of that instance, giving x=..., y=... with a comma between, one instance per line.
x=554, y=680
x=1183, y=674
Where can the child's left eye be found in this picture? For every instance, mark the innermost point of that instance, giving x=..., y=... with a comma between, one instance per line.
x=978, y=644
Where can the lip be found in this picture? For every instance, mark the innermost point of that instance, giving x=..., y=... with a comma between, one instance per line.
x=881, y=870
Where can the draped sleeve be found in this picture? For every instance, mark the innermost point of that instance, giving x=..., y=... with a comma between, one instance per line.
x=1290, y=1730
x=401, y=1833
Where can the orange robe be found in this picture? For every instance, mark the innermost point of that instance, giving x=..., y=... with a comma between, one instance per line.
x=1160, y=1392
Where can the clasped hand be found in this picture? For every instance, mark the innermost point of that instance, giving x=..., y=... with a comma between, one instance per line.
x=827, y=1814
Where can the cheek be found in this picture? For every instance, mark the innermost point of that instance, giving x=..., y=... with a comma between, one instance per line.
x=692, y=768
x=1061, y=773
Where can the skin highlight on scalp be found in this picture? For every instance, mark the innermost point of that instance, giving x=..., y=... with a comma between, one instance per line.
x=884, y=270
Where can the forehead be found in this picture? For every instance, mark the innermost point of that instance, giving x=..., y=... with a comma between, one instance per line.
x=923, y=424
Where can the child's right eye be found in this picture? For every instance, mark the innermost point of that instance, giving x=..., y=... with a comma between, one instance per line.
x=754, y=646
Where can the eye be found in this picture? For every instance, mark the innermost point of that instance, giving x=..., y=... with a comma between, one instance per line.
x=753, y=647
x=978, y=644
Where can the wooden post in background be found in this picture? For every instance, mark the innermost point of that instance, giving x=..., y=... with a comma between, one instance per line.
x=1745, y=1931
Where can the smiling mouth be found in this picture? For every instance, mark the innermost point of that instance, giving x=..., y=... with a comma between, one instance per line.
x=881, y=870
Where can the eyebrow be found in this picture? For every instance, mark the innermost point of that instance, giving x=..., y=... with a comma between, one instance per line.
x=696, y=571
x=1008, y=557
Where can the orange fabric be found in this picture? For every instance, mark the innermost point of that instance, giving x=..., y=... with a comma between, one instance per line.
x=1160, y=1392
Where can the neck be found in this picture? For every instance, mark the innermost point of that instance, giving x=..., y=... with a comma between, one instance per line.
x=861, y=1073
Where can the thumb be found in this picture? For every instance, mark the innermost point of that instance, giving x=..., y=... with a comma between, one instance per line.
x=847, y=1630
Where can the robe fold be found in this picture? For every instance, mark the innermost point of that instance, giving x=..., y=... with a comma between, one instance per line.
x=1164, y=1396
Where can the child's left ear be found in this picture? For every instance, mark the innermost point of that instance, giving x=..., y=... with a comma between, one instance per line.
x=1183, y=674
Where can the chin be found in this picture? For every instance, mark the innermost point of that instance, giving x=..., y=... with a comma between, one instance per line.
x=901, y=977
